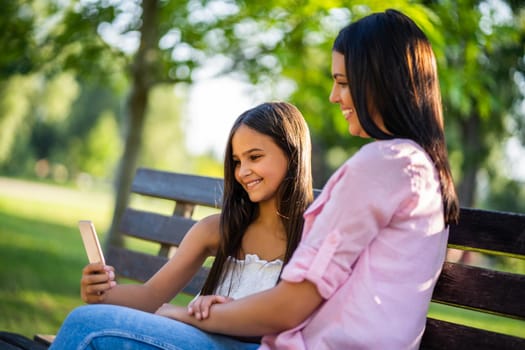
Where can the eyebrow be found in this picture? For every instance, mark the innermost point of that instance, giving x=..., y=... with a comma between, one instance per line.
x=338, y=75
x=251, y=150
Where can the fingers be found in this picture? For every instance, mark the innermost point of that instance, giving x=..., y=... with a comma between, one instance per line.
x=96, y=280
x=93, y=268
x=200, y=307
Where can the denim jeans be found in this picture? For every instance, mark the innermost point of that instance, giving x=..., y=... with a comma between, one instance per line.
x=97, y=327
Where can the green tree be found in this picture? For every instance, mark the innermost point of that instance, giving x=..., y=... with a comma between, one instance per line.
x=287, y=53
x=94, y=118
x=480, y=49
x=283, y=48
x=17, y=25
x=34, y=111
x=163, y=131
x=481, y=61
x=38, y=89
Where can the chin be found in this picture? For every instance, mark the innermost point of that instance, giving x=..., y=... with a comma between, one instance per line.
x=358, y=133
x=354, y=132
x=254, y=199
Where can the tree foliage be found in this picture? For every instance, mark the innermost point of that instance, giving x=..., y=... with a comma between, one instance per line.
x=481, y=57
x=123, y=53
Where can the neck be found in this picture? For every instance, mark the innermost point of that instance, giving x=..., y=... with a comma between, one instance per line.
x=269, y=216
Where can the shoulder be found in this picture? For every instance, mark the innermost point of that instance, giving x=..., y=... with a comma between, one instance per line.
x=389, y=166
x=398, y=154
x=207, y=231
x=211, y=221
x=391, y=150
x=209, y=225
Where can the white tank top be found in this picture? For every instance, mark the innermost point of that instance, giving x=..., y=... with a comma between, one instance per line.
x=248, y=276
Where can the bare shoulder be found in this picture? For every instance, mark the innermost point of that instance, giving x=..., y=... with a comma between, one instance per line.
x=208, y=231
x=211, y=221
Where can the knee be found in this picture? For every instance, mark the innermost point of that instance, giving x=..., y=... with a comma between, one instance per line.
x=86, y=316
x=80, y=322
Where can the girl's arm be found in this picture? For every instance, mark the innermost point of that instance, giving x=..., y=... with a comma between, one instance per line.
x=199, y=243
x=272, y=311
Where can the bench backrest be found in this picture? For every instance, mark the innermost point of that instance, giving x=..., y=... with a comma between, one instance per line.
x=187, y=192
x=481, y=289
x=474, y=288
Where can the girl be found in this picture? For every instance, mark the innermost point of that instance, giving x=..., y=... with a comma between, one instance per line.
x=374, y=241
x=267, y=187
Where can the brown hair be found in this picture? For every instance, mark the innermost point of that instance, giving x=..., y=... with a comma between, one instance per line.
x=390, y=62
x=285, y=124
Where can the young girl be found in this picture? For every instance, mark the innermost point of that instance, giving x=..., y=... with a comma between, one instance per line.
x=374, y=241
x=267, y=187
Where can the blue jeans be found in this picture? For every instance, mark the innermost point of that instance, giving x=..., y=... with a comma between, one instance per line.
x=97, y=327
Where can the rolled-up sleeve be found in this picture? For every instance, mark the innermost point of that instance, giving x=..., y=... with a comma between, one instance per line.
x=357, y=201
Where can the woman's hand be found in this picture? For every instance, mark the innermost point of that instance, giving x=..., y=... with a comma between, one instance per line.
x=96, y=280
x=200, y=306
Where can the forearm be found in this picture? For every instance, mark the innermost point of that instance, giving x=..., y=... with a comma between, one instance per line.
x=269, y=312
x=136, y=296
x=245, y=318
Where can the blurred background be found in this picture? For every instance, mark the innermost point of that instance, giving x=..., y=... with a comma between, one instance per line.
x=92, y=89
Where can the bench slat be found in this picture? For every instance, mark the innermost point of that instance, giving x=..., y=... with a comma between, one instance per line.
x=155, y=227
x=441, y=335
x=200, y=190
x=489, y=230
x=140, y=267
x=479, y=288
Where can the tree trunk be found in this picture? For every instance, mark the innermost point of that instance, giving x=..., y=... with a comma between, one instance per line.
x=135, y=113
x=473, y=157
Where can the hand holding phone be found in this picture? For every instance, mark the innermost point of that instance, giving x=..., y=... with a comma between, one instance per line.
x=91, y=243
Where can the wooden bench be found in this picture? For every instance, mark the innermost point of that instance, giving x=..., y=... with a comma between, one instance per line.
x=481, y=289
x=473, y=288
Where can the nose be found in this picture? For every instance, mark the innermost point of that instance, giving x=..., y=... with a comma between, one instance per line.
x=334, y=96
x=244, y=170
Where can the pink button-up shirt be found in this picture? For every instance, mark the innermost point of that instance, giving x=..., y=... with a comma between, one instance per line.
x=374, y=243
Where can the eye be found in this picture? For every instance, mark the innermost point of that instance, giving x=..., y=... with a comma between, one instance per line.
x=254, y=157
x=236, y=163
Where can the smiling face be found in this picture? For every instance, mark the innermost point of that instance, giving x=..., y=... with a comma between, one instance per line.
x=341, y=94
x=260, y=165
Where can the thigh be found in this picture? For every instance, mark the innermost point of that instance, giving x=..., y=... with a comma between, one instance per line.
x=115, y=327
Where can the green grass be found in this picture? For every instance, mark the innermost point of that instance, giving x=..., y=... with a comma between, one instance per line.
x=41, y=251
x=478, y=320
x=41, y=257
x=41, y=254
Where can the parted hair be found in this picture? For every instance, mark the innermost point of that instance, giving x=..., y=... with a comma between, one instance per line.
x=285, y=124
x=392, y=71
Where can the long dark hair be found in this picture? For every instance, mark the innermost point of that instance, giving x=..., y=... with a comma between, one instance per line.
x=393, y=72
x=285, y=124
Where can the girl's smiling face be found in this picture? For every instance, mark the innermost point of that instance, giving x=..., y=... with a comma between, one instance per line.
x=260, y=165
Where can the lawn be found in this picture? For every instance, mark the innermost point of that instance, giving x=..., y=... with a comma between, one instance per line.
x=41, y=254
x=41, y=257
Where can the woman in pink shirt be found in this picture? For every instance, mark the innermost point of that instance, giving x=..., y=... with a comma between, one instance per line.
x=374, y=241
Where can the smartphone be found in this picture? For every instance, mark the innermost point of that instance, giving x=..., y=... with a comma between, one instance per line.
x=91, y=243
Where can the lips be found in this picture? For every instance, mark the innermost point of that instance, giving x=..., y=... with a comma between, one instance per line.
x=253, y=183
